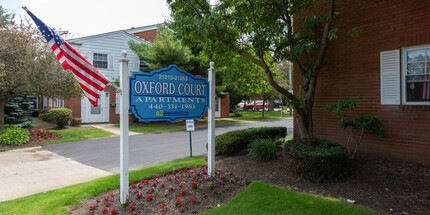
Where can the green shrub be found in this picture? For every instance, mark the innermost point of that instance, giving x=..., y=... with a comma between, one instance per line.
x=318, y=159
x=44, y=117
x=263, y=150
x=75, y=121
x=12, y=135
x=234, y=142
x=61, y=116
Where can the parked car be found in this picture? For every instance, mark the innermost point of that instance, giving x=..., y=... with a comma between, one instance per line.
x=250, y=106
x=259, y=105
x=241, y=104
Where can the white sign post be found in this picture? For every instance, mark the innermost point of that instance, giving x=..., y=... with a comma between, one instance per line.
x=211, y=121
x=190, y=128
x=124, y=106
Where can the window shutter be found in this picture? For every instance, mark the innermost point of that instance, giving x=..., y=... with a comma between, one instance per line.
x=110, y=62
x=390, y=77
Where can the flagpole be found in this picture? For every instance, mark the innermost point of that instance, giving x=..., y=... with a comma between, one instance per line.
x=124, y=150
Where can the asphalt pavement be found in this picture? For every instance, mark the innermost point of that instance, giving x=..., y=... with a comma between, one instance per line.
x=148, y=149
x=38, y=169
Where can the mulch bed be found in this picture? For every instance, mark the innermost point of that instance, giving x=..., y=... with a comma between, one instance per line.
x=389, y=186
x=40, y=140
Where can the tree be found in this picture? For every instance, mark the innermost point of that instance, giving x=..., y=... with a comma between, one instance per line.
x=27, y=65
x=261, y=31
x=17, y=111
x=168, y=49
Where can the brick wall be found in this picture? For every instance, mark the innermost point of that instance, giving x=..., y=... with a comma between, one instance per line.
x=353, y=70
x=225, y=106
x=113, y=117
x=147, y=35
x=74, y=104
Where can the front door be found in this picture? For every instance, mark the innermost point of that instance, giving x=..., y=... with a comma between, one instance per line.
x=97, y=114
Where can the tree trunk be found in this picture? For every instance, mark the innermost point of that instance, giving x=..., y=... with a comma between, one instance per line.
x=271, y=104
x=304, y=123
x=262, y=112
x=2, y=106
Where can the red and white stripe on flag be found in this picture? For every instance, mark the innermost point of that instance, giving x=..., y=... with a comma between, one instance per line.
x=91, y=80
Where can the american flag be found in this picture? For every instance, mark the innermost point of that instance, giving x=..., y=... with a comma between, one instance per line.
x=91, y=80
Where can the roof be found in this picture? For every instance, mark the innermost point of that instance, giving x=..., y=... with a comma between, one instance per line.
x=134, y=30
x=129, y=32
x=79, y=40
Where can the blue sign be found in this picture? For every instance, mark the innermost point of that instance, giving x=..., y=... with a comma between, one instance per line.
x=168, y=94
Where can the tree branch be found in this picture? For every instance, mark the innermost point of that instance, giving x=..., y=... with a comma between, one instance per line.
x=324, y=39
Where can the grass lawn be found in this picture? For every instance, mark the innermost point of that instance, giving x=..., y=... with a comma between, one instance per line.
x=80, y=134
x=61, y=201
x=255, y=116
x=261, y=198
x=155, y=128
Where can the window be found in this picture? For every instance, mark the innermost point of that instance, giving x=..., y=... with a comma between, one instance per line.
x=100, y=61
x=416, y=75
x=405, y=76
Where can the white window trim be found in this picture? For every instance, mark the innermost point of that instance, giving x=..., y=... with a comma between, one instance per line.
x=104, y=53
x=404, y=65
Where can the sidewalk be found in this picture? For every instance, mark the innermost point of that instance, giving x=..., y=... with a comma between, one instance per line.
x=33, y=170
x=112, y=128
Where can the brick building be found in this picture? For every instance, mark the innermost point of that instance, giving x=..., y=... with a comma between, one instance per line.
x=388, y=67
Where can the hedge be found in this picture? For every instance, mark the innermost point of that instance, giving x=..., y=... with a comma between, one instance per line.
x=61, y=116
x=318, y=159
x=234, y=142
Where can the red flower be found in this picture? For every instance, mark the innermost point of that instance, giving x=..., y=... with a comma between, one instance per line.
x=114, y=211
x=178, y=202
x=163, y=208
x=107, y=204
x=131, y=208
x=112, y=195
x=192, y=199
x=183, y=192
x=139, y=194
x=193, y=184
x=132, y=185
x=92, y=207
x=104, y=210
x=106, y=198
x=149, y=197
x=98, y=200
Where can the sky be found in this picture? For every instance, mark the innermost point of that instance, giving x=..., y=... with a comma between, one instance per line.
x=89, y=17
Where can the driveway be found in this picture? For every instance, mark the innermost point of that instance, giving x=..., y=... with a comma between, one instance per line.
x=148, y=149
x=32, y=170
